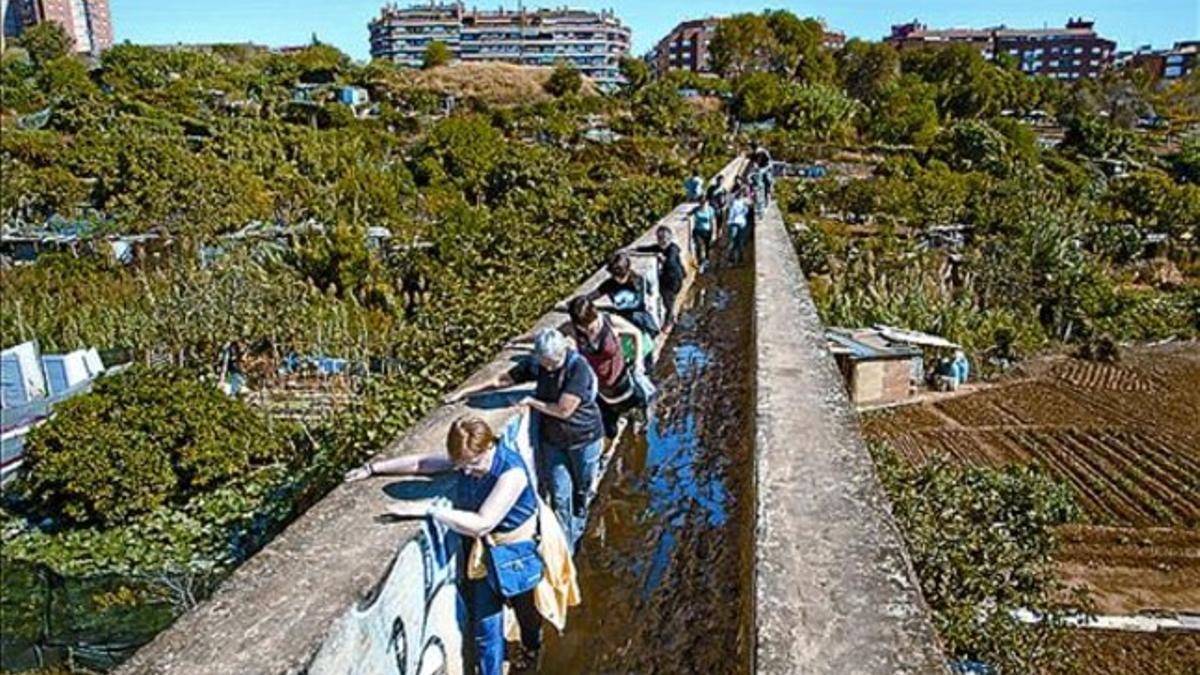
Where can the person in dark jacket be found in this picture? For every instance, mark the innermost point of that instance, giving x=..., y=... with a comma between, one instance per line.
x=627, y=290
x=570, y=434
x=670, y=270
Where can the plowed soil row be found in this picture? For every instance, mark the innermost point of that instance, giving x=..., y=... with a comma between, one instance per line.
x=1126, y=438
x=1090, y=375
x=1102, y=652
x=1133, y=570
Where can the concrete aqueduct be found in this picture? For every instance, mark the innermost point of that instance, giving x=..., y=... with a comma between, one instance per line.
x=833, y=590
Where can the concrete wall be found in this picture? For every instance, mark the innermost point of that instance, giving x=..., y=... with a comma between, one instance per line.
x=834, y=590
x=341, y=592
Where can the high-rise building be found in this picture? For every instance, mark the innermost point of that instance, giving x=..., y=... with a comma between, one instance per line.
x=1067, y=53
x=88, y=22
x=686, y=46
x=593, y=42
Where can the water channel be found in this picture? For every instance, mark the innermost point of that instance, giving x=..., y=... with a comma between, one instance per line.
x=665, y=566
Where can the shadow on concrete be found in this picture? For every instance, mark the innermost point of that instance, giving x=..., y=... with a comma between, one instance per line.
x=495, y=400
x=415, y=489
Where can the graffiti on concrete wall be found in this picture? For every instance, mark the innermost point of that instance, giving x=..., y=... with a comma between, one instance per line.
x=412, y=625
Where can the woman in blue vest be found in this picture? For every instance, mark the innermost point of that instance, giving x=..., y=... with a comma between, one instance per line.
x=496, y=505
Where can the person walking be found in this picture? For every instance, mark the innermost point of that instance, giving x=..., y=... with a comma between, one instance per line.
x=704, y=224
x=598, y=337
x=737, y=225
x=694, y=188
x=670, y=270
x=497, y=507
x=570, y=428
x=627, y=290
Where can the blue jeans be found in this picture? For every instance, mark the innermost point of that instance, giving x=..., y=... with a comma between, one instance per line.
x=568, y=477
x=487, y=623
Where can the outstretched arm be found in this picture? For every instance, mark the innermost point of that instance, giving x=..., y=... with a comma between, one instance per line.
x=407, y=465
x=497, y=382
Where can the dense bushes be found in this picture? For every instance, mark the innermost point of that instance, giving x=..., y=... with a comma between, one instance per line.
x=982, y=543
x=494, y=214
x=1040, y=260
x=141, y=440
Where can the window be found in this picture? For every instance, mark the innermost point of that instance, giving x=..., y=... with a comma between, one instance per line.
x=1095, y=50
x=1054, y=63
x=1094, y=62
x=1079, y=50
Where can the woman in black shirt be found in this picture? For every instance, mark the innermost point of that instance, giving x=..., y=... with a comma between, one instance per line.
x=670, y=270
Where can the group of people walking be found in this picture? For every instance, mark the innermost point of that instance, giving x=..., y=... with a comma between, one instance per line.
x=733, y=212
x=586, y=376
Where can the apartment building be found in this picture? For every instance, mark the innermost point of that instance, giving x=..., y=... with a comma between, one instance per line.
x=1179, y=61
x=88, y=22
x=1069, y=53
x=593, y=42
x=686, y=46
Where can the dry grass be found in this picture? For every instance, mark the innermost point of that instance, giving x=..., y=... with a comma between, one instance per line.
x=491, y=83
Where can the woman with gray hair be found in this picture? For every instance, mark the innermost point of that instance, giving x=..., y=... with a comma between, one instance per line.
x=570, y=430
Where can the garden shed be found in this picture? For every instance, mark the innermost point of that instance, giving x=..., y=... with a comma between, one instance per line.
x=876, y=369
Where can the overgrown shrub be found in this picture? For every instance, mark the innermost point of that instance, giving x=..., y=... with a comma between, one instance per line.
x=141, y=440
x=565, y=80
x=982, y=542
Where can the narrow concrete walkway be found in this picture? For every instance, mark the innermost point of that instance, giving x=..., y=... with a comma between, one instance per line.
x=834, y=590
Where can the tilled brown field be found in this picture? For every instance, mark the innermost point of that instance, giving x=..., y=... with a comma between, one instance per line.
x=1125, y=437
x=1104, y=652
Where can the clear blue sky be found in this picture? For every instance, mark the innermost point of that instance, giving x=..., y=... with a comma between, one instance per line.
x=344, y=22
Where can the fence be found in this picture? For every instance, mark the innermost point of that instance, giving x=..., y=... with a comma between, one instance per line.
x=93, y=622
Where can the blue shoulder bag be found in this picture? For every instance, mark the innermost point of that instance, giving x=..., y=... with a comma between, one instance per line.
x=517, y=568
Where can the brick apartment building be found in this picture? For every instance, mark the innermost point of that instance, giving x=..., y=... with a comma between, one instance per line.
x=593, y=42
x=686, y=46
x=1179, y=61
x=88, y=22
x=1067, y=53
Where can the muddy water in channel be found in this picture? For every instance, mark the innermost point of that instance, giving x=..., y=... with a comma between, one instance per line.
x=665, y=566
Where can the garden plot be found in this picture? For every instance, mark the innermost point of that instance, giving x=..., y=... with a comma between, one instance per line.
x=1125, y=437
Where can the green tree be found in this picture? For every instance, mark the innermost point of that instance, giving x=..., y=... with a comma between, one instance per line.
x=436, y=54
x=46, y=41
x=758, y=96
x=798, y=48
x=141, y=440
x=973, y=146
x=1093, y=137
x=464, y=150
x=867, y=69
x=565, y=80
x=741, y=44
x=968, y=86
x=820, y=112
x=636, y=73
x=1187, y=161
x=905, y=112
